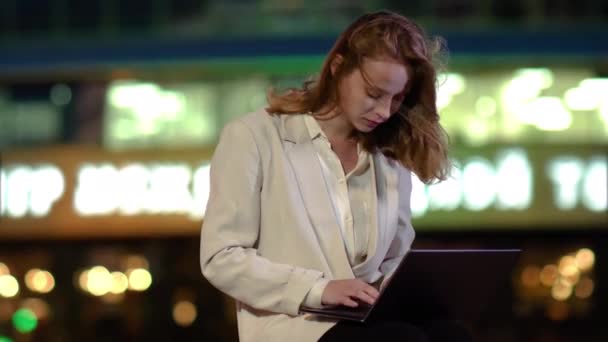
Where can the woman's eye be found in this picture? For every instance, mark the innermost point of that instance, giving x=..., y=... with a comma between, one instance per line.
x=373, y=96
x=398, y=98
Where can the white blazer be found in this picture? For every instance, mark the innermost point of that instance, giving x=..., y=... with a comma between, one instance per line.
x=270, y=232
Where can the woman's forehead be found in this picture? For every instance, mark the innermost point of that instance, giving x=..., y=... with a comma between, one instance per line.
x=386, y=74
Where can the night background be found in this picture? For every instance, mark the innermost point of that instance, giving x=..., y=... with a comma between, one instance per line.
x=110, y=111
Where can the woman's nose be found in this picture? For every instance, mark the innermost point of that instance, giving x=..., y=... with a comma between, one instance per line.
x=384, y=110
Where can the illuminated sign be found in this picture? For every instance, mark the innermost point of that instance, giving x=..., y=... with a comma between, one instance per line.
x=137, y=189
x=507, y=184
x=578, y=181
x=477, y=184
x=30, y=190
x=134, y=193
x=104, y=189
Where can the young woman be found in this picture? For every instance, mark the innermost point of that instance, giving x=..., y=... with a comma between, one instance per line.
x=309, y=201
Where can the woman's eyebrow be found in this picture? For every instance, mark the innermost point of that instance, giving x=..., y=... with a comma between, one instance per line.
x=383, y=91
x=376, y=88
x=371, y=85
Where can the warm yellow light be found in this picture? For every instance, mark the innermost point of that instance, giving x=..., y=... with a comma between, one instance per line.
x=139, y=279
x=4, y=269
x=39, y=280
x=565, y=262
x=584, y=288
x=83, y=280
x=120, y=283
x=184, y=313
x=561, y=290
x=45, y=282
x=569, y=271
x=29, y=278
x=9, y=287
x=585, y=258
x=530, y=276
x=548, y=275
x=571, y=279
x=99, y=281
x=38, y=306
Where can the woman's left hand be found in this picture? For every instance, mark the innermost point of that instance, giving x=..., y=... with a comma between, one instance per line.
x=347, y=292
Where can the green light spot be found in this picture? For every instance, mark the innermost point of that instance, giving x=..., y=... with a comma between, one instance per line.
x=24, y=321
x=5, y=339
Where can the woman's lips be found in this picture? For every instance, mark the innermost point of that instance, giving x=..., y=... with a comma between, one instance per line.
x=371, y=123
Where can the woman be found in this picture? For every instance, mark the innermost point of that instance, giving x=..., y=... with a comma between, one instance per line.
x=309, y=201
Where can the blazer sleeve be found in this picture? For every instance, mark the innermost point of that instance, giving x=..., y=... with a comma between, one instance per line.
x=228, y=255
x=405, y=232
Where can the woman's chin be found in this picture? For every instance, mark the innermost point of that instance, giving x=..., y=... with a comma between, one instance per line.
x=365, y=128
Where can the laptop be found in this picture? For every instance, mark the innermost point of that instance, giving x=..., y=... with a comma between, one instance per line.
x=436, y=284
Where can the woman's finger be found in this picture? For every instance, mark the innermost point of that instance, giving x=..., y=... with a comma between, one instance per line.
x=349, y=302
x=370, y=290
x=362, y=295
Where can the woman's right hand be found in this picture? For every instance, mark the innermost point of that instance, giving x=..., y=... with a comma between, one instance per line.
x=347, y=292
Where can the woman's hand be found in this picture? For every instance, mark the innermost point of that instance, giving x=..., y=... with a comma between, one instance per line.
x=347, y=292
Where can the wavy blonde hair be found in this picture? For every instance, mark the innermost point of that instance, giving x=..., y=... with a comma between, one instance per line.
x=412, y=135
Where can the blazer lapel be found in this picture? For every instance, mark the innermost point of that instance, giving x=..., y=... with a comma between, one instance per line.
x=386, y=212
x=388, y=196
x=305, y=164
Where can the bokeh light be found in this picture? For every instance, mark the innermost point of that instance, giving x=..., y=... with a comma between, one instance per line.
x=83, y=280
x=4, y=269
x=548, y=275
x=139, y=279
x=39, y=281
x=585, y=258
x=99, y=281
x=25, y=320
x=184, y=313
x=120, y=283
x=561, y=290
x=9, y=287
x=61, y=94
x=567, y=265
x=571, y=279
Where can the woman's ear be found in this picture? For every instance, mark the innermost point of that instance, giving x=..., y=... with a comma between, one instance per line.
x=335, y=63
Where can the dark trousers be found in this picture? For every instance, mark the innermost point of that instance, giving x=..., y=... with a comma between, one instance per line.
x=396, y=330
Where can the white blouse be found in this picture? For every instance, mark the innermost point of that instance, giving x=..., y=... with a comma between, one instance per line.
x=354, y=201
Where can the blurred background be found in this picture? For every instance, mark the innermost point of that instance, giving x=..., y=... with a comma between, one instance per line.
x=110, y=110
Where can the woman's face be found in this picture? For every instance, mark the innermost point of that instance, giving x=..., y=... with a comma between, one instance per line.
x=366, y=102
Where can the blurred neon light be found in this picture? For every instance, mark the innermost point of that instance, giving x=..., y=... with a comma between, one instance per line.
x=30, y=190
x=505, y=183
x=160, y=188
